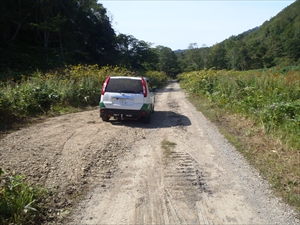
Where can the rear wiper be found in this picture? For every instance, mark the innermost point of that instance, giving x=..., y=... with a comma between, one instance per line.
x=125, y=91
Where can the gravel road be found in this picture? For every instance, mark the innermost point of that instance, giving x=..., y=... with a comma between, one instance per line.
x=129, y=178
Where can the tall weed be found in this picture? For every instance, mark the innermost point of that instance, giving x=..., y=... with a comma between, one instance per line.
x=75, y=86
x=158, y=79
x=19, y=202
x=270, y=97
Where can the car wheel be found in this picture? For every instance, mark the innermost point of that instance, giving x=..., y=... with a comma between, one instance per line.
x=105, y=118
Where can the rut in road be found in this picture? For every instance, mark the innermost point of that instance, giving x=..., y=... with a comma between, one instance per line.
x=201, y=180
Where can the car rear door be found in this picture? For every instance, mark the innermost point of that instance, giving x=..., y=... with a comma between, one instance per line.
x=124, y=93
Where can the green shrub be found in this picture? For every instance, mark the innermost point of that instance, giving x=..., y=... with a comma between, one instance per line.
x=19, y=202
x=268, y=96
x=75, y=86
x=5, y=105
x=157, y=79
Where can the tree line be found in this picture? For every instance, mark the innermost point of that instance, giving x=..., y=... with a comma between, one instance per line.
x=46, y=34
x=275, y=43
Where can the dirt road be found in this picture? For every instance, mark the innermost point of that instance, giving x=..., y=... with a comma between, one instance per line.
x=130, y=178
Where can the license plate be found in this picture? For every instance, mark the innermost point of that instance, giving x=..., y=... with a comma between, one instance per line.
x=124, y=102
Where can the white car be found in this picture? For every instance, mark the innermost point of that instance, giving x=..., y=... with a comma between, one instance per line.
x=127, y=98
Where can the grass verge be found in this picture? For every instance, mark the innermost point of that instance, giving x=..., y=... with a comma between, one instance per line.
x=20, y=202
x=276, y=161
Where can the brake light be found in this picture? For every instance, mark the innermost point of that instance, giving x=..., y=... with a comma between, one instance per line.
x=144, y=87
x=104, y=85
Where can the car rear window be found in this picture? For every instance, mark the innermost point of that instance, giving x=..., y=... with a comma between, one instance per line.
x=125, y=86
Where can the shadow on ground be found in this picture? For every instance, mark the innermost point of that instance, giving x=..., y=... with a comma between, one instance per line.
x=160, y=119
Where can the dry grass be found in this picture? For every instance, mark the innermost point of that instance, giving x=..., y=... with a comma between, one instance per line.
x=167, y=146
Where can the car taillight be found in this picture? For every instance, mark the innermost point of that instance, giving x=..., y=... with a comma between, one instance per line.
x=144, y=87
x=104, y=85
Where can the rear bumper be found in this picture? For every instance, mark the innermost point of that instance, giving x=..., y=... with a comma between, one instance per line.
x=105, y=112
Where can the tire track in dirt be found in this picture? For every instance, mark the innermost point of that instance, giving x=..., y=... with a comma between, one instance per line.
x=194, y=183
x=185, y=180
x=192, y=142
x=67, y=155
x=162, y=191
x=129, y=179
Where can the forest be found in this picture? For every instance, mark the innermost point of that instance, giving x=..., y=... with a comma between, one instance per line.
x=275, y=43
x=45, y=35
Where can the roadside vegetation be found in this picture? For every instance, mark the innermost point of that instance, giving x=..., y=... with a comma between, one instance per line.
x=260, y=111
x=52, y=93
x=20, y=203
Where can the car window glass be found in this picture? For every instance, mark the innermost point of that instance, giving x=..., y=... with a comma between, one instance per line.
x=124, y=86
x=150, y=86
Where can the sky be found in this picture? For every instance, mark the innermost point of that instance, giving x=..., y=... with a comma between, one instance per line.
x=176, y=24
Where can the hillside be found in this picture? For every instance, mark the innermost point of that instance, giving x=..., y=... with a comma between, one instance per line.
x=275, y=43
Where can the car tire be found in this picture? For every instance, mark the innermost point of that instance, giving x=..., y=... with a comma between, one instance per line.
x=105, y=118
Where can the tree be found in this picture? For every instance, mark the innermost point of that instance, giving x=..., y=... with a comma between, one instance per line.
x=242, y=56
x=193, y=57
x=292, y=49
x=135, y=54
x=168, y=62
x=37, y=33
x=217, y=57
x=231, y=53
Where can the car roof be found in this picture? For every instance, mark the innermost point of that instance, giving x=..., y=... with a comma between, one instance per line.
x=120, y=77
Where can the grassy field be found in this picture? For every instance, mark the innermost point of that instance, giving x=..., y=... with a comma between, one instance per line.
x=259, y=112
